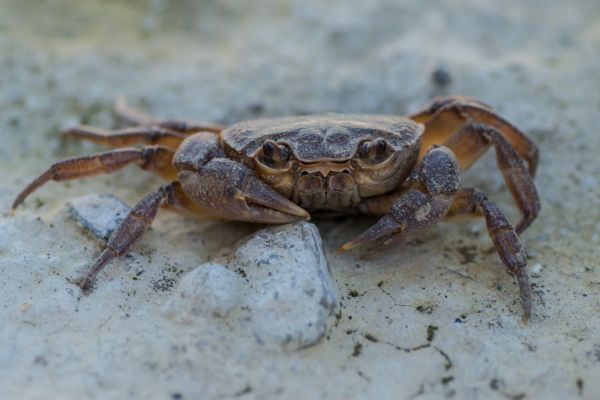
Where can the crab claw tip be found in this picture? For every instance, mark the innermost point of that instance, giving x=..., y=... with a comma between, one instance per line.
x=345, y=247
x=272, y=207
x=386, y=226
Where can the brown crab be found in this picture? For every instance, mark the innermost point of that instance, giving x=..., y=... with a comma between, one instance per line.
x=407, y=170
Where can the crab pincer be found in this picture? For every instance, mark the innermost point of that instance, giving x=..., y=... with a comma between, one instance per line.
x=436, y=192
x=230, y=190
x=433, y=182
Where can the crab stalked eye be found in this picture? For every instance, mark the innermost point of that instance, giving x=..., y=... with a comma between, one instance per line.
x=375, y=152
x=274, y=155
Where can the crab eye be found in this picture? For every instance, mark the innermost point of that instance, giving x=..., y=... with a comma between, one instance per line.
x=375, y=152
x=274, y=155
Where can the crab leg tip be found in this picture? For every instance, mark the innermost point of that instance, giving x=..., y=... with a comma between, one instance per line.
x=16, y=203
x=526, y=295
x=86, y=286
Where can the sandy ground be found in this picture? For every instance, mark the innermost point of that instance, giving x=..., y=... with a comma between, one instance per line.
x=434, y=318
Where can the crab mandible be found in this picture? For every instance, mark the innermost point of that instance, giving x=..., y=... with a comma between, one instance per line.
x=407, y=170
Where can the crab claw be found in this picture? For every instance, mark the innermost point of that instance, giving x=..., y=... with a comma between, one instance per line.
x=383, y=229
x=229, y=190
x=409, y=214
x=263, y=204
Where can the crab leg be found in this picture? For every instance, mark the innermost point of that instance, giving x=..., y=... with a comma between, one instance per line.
x=435, y=180
x=147, y=129
x=469, y=128
x=127, y=136
x=131, y=116
x=131, y=228
x=155, y=159
x=513, y=168
x=503, y=235
x=438, y=175
x=446, y=115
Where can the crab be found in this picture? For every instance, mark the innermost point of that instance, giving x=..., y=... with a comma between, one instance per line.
x=406, y=170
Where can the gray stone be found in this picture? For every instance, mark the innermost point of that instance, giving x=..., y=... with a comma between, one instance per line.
x=291, y=293
x=210, y=290
x=99, y=214
x=277, y=278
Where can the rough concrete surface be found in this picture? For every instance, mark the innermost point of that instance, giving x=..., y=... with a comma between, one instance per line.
x=433, y=318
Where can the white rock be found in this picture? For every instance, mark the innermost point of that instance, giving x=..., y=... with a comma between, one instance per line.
x=99, y=214
x=210, y=290
x=290, y=291
x=536, y=270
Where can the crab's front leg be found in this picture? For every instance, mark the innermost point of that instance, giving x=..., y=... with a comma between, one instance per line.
x=434, y=181
x=506, y=242
x=469, y=127
x=224, y=188
x=209, y=185
x=131, y=229
x=436, y=192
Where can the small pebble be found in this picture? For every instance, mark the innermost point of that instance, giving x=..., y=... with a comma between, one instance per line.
x=441, y=76
x=100, y=215
x=210, y=290
x=536, y=270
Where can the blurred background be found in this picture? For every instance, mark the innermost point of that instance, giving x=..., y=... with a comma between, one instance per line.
x=63, y=62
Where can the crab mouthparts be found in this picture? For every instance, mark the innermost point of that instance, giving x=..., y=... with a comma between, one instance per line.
x=325, y=168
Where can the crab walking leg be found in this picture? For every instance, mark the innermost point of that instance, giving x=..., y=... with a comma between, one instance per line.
x=444, y=116
x=131, y=228
x=155, y=159
x=131, y=116
x=503, y=235
x=473, y=136
x=127, y=136
x=435, y=180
